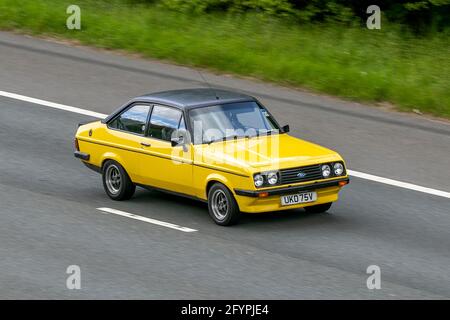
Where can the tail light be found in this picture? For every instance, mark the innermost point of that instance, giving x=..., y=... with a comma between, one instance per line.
x=76, y=145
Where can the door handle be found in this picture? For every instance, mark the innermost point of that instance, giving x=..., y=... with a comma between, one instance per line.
x=146, y=144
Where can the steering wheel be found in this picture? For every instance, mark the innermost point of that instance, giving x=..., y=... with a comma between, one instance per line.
x=236, y=123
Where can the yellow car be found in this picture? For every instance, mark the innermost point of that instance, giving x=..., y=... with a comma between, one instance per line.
x=217, y=146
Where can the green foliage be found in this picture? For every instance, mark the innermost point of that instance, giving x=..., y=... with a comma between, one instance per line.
x=421, y=15
x=269, y=7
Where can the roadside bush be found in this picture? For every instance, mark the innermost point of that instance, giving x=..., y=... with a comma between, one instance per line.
x=269, y=7
x=420, y=15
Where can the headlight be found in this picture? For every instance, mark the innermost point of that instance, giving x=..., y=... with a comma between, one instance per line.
x=326, y=171
x=338, y=168
x=272, y=177
x=258, y=179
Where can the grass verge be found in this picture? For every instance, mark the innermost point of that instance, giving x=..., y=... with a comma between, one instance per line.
x=355, y=63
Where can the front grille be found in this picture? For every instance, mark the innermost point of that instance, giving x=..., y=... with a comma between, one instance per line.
x=291, y=175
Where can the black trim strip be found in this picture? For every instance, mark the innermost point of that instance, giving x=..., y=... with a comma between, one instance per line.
x=93, y=167
x=136, y=151
x=81, y=155
x=178, y=194
x=287, y=190
x=164, y=157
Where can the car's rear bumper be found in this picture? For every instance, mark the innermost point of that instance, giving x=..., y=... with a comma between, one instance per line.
x=82, y=155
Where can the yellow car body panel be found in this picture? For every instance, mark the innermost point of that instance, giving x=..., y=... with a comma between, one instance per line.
x=192, y=169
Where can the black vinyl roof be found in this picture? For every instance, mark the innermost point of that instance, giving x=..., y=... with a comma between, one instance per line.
x=188, y=98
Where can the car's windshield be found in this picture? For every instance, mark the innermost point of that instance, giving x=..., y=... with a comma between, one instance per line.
x=232, y=120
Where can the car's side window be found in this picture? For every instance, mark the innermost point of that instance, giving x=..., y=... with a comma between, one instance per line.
x=163, y=121
x=132, y=120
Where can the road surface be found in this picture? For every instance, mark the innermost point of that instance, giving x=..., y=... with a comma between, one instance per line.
x=48, y=200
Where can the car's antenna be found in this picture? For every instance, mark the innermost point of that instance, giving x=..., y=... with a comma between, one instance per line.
x=211, y=88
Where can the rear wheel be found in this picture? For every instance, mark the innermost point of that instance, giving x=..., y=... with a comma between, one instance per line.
x=222, y=206
x=320, y=208
x=116, y=182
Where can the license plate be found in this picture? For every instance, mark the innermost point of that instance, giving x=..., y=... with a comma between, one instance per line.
x=298, y=198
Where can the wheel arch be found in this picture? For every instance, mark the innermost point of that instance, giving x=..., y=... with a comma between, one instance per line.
x=233, y=211
x=112, y=156
x=218, y=178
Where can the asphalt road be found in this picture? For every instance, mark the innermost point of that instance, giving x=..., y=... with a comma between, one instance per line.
x=48, y=199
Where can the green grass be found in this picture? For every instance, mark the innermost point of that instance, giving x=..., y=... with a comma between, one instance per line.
x=354, y=63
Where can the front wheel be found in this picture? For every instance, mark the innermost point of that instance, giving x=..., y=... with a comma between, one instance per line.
x=116, y=182
x=222, y=206
x=319, y=208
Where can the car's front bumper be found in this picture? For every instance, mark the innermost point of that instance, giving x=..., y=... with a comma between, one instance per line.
x=292, y=189
x=254, y=201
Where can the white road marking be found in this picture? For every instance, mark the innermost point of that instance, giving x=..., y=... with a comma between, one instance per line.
x=52, y=104
x=400, y=184
x=148, y=220
x=357, y=174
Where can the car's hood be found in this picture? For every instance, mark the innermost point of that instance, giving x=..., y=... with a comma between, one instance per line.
x=264, y=153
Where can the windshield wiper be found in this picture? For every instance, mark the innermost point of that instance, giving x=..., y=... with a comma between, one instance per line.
x=233, y=136
x=268, y=132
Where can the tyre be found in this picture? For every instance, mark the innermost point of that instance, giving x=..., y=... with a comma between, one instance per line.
x=116, y=182
x=222, y=206
x=320, y=208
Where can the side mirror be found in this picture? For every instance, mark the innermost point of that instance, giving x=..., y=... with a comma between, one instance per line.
x=181, y=138
x=285, y=128
x=176, y=141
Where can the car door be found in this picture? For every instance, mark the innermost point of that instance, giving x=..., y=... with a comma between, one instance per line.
x=125, y=133
x=166, y=166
